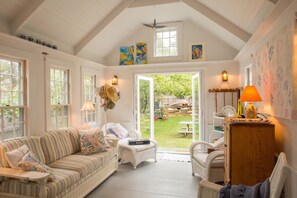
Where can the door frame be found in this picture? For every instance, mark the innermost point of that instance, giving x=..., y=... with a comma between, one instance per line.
x=200, y=70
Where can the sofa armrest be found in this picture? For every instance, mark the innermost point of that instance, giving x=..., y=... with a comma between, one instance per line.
x=113, y=141
x=26, y=176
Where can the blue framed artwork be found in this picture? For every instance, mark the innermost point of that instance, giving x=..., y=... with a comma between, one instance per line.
x=141, y=53
x=127, y=55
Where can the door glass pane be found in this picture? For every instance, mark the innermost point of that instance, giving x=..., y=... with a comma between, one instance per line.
x=144, y=93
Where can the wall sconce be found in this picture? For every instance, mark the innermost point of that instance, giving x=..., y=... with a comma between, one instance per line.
x=224, y=76
x=114, y=80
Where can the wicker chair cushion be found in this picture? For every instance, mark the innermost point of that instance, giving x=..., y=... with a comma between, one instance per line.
x=201, y=159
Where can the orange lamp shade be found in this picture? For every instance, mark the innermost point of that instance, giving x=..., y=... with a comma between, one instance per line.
x=250, y=94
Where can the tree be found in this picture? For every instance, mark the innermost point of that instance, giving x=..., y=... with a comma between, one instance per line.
x=179, y=85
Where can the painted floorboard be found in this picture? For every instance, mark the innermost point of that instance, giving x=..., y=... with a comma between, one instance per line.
x=164, y=179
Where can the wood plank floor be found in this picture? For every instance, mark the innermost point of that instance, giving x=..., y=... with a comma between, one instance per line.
x=164, y=179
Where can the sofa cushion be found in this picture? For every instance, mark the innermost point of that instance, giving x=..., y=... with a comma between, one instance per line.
x=85, y=165
x=34, y=144
x=201, y=159
x=74, y=138
x=65, y=181
x=104, y=157
x=56, y=144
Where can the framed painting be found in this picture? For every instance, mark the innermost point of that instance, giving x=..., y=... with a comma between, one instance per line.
x=141, y=53
x=127, y=55
x=197, y=52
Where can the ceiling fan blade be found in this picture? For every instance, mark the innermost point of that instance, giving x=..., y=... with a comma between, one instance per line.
x=160, y=26
x=147, y=25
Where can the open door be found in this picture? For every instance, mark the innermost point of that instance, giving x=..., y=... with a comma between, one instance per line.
x=145, y=104
x=196, y=107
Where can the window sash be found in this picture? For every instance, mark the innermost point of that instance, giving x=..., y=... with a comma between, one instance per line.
x=59, y=86
x=59, y=98
x=59, y=116
x=12, y=101
x=12, y=122
x=166, y=42
x=89, y=85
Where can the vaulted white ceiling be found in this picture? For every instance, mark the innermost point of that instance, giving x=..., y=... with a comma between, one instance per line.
x=92, y=28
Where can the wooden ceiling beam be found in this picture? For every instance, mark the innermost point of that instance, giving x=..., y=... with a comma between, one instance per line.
x=143, y=3
x=101, y=25
x=273, y=1
x=25, y=15
x=218, y=19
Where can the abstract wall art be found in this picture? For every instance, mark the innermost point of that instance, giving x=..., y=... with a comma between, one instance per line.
x=127, y=55
x=197, y=52
x=141, y=53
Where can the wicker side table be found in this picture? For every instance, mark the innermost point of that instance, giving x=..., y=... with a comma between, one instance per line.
x=137, y=153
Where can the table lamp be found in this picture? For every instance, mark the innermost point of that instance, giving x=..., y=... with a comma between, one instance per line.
x=88, y=106
x=250, y=95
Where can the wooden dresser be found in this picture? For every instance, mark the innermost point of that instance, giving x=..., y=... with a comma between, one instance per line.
x=249, y=151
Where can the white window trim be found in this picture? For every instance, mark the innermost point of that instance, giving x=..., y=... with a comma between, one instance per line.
x=52, y=63
x=24, y=96
x=246, y=80
x=86, y=71
x=180, y=44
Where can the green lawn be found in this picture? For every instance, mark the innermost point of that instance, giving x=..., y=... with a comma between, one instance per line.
x=166, y=133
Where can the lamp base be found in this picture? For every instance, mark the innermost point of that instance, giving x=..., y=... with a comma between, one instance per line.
x=251, y=111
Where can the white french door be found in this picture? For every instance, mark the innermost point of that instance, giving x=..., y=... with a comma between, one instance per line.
x=197, y=113
x=145, y=104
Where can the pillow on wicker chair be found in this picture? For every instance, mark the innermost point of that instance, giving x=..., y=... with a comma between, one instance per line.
x=118, y=130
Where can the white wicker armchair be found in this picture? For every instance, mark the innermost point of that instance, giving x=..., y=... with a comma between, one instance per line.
x=208, y=166
x=277, y=179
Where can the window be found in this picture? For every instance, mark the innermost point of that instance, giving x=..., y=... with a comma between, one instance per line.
x=89, y=94
x=248, y=76
x=166, y=43
x=12, y=101
x=59, y=93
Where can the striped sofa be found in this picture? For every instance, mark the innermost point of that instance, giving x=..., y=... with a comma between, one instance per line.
x=75, y=174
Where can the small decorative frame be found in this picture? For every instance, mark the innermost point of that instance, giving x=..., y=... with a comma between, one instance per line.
x=197, y=52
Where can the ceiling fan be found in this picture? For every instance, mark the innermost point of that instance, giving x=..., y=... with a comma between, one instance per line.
x=154, y=25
